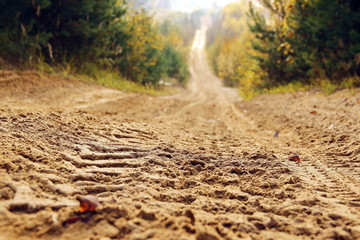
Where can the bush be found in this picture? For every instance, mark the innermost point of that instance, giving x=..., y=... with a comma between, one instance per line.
x=87, y=35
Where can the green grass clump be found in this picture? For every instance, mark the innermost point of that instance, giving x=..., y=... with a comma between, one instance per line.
x=113, y=79
x=250, y=93
x=291, y=87
x=106, y=77
x=326, y=86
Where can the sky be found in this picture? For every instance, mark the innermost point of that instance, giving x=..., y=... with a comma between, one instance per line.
x=189, y=5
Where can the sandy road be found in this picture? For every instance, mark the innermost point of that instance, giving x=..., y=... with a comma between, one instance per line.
x=199, y=165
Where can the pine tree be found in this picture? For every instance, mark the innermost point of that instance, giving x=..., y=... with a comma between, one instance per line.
x=327, y=37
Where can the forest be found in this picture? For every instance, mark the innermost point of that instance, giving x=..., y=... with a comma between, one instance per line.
x=177, y=120
x=254, y=45
x=286, y=44
x=88, y=36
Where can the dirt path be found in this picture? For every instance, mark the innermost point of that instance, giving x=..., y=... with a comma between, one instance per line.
x=199, y=165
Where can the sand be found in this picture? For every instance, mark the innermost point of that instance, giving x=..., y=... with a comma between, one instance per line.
x=201, y=164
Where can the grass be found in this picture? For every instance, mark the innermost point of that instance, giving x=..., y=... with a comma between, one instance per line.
x=324, y=85
x=291, y=87
x=114, y=80
x=327, y=87
x=251, y=93
x=109, y=78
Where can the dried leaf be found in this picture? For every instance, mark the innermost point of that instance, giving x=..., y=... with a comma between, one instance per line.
x=88, y=203
x=295, y=158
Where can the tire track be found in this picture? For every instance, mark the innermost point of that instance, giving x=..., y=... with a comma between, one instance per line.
x=194, y=169
x=321, y=173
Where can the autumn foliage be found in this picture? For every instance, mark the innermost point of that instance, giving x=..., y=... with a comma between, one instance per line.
x=86, y=36
x=280, y=42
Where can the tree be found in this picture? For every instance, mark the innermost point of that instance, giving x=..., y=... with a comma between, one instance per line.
x=307, y=39
x=88, y=35
x=327, y=37
x=61, y=31
x=227, y=51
